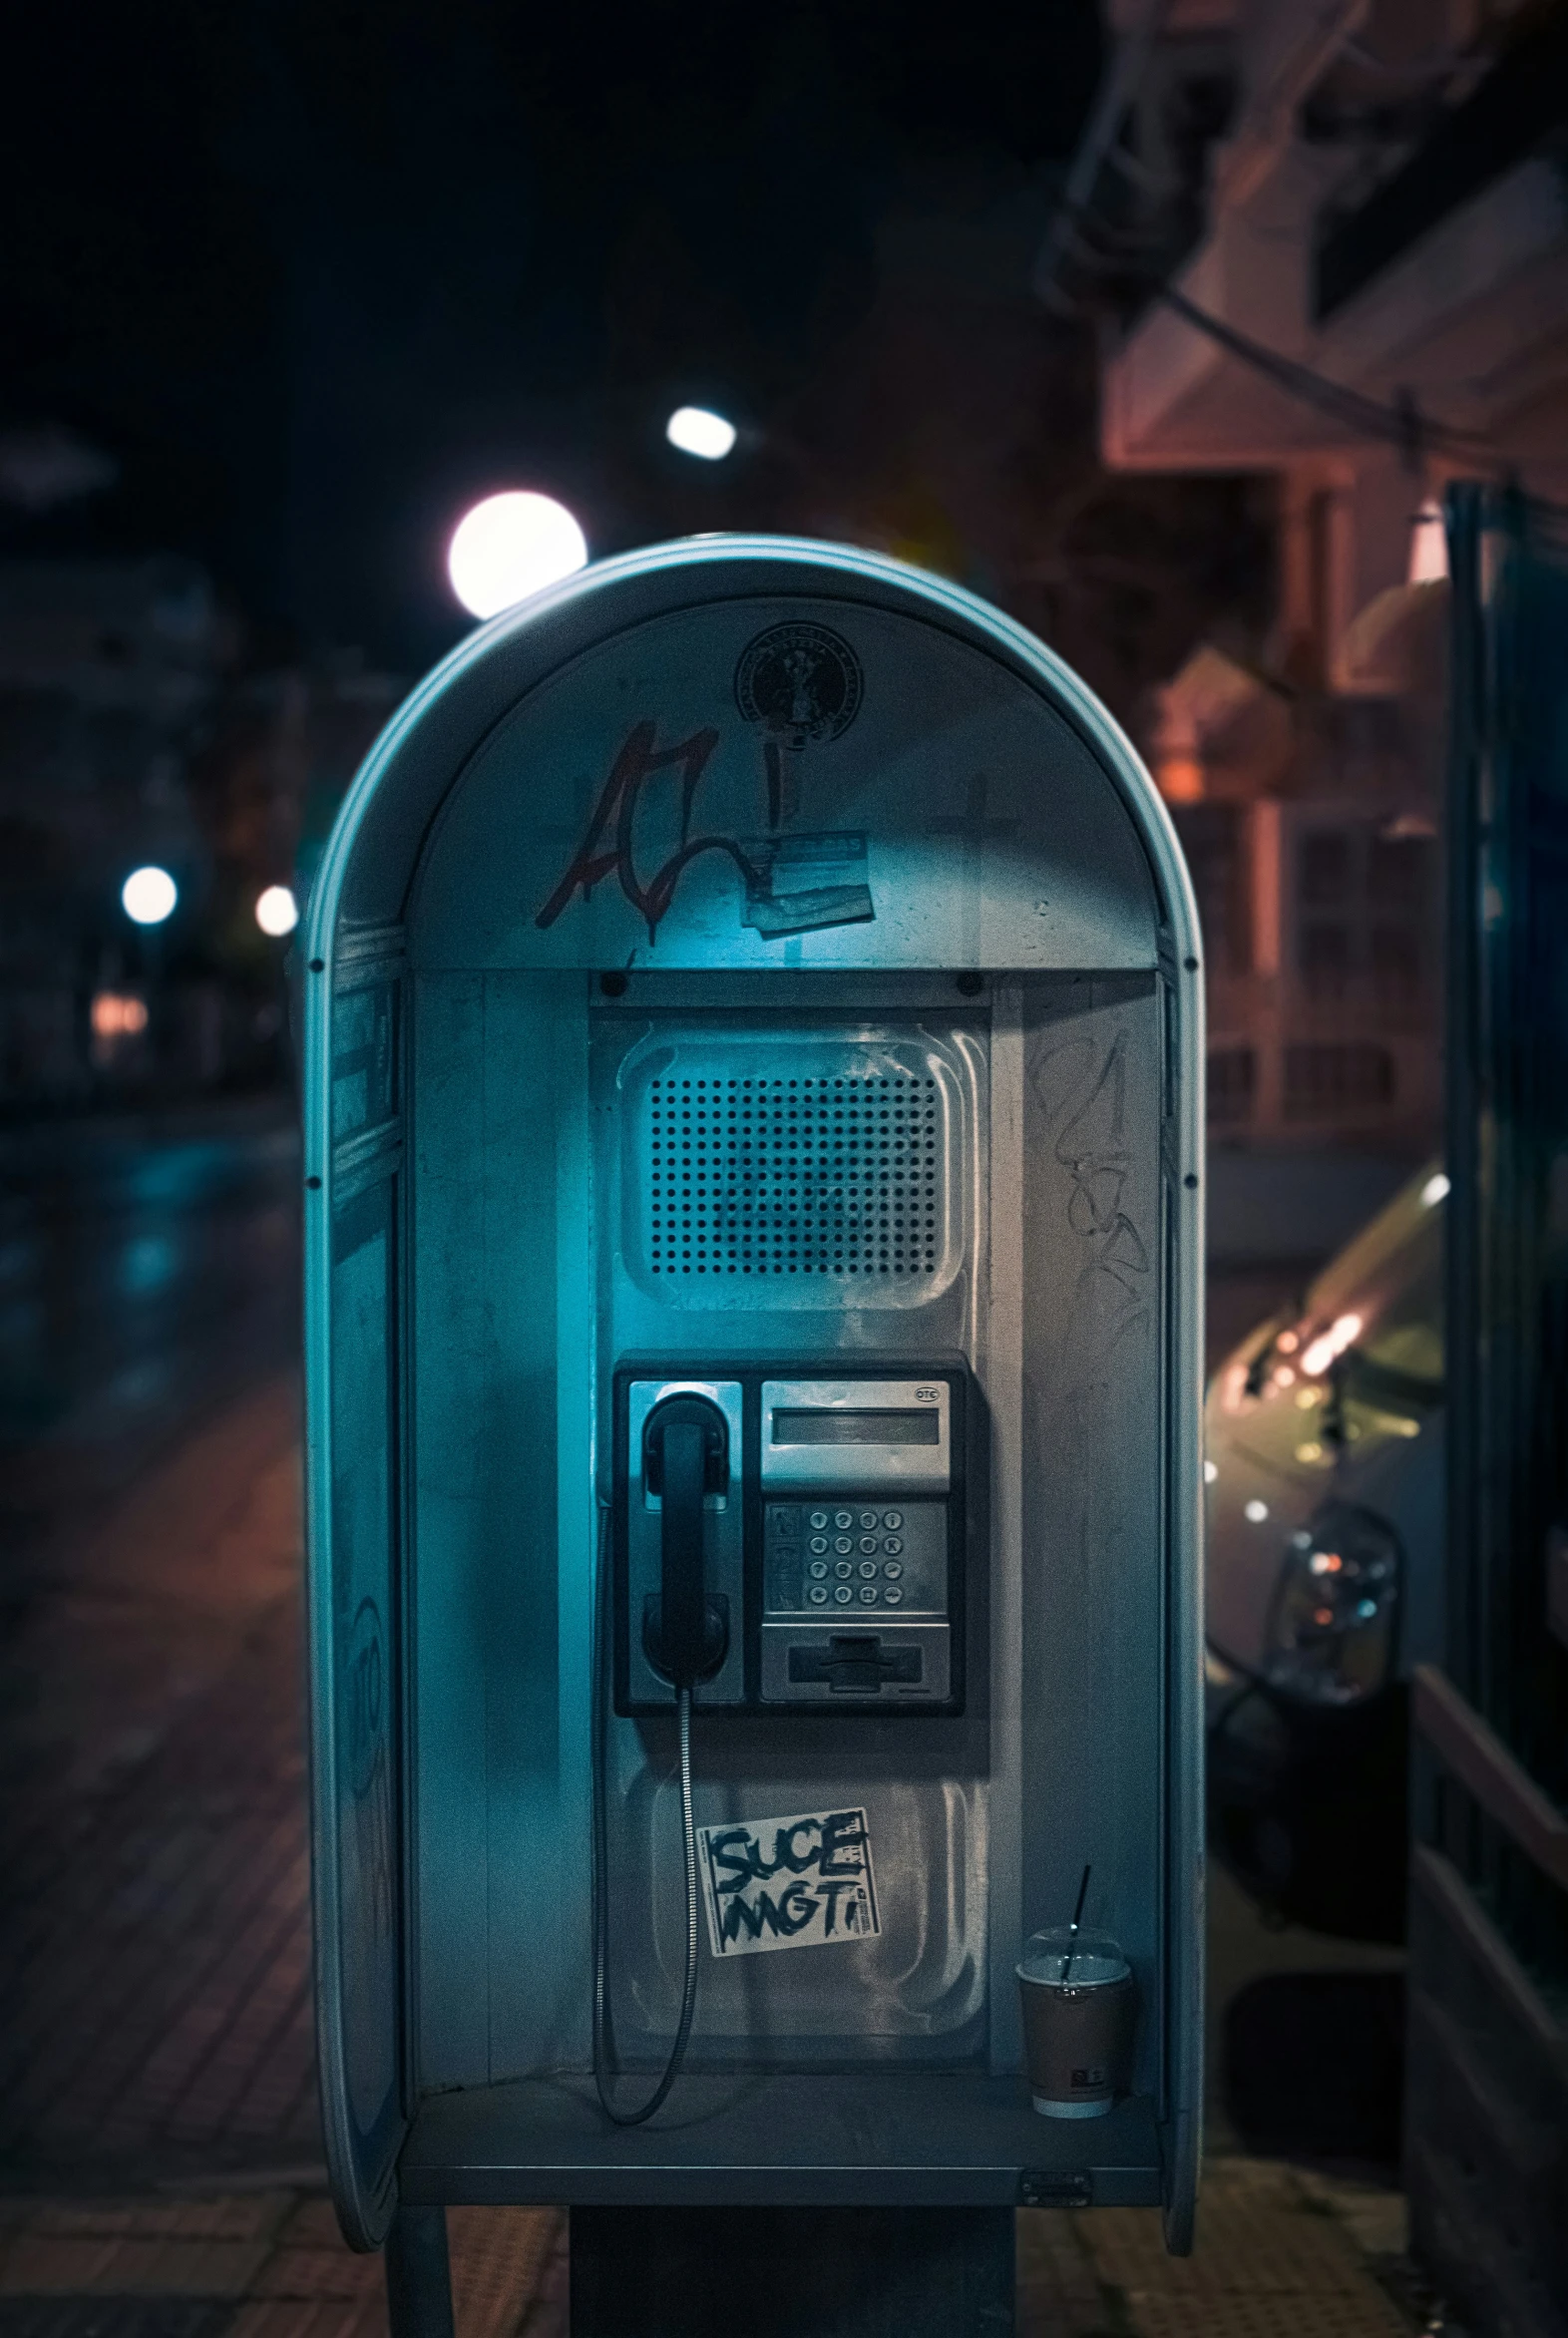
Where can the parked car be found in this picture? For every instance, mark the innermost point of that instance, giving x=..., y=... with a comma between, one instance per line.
x=1325, y=1468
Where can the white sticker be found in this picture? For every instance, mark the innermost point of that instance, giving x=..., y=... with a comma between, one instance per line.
x=800, y=1882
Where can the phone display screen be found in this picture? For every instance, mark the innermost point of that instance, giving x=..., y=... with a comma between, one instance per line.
x=856, y=1428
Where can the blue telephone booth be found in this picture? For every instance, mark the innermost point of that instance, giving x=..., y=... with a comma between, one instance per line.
x=754, y=1065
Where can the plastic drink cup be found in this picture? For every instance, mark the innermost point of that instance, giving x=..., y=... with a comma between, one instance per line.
x=1079, y=2015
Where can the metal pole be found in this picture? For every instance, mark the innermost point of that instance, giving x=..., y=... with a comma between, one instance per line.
x=792, y=2272
x=419, y=2275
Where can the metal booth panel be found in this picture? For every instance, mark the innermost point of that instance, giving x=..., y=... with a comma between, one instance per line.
x=356, y=1506
x=622, y=864
x=628, y=813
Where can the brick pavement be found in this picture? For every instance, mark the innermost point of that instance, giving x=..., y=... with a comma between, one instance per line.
x=262, y=2265
x=155, y=1926
x=1280, y=2255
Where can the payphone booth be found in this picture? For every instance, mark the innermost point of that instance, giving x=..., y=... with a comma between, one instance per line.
x=753, y=1132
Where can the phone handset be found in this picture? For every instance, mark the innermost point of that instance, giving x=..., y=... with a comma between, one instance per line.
x=685, y=1457
x=685, y=1637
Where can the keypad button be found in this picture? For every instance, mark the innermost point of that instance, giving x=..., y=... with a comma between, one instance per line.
x=868, y=1519
x=892, y=1597
x=891, y=1519
x=844, y=1595
x=892, y=1545
x=818, y=1543
x=818, y=1595
x=868, y=1567
x=819, y=1519
x=868, y=1543
x=844, y=1570
x=784, y=1518
x=818, y=1570
x=787, y=1553
x=893, y=1570
x=843, y=1544
x=843, y=1518
x=868, y=1597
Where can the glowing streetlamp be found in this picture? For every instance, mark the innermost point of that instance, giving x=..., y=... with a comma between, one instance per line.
x=147, y=895
x=697, y=431
x=511, y=545
x=278, y=911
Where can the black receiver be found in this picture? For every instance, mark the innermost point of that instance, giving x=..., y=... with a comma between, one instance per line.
x=685, y=1457
x=791, y=1539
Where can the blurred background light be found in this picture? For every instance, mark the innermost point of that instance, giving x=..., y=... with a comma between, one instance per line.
x=278, y=911
x=697, y=431
x=511, y=545
x=147, y=895
x=1429, y=562
x=118, y=1014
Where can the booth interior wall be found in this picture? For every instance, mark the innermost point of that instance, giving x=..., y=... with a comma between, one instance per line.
x=501, y=1855
x=1093, y=1562
x=520, y=1227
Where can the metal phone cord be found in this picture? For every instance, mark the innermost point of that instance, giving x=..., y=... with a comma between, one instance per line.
x=601, y=1892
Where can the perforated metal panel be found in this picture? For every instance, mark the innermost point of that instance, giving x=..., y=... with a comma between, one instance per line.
x=795, y=1170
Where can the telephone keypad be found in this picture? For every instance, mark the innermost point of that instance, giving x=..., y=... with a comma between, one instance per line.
x=899, y=1559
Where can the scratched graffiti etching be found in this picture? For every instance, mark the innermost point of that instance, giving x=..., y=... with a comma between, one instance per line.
x=1081, y=1086
x=1092, y=1145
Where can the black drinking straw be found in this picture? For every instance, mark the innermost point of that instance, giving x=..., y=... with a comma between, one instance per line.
x=1072, y=1929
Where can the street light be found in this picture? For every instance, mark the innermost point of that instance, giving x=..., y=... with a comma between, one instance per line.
x=696, y=431
x=511, y=545
x=147, y=895
x=278, y=911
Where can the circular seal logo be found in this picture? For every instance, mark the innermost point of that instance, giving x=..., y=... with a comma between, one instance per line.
x=802, y=680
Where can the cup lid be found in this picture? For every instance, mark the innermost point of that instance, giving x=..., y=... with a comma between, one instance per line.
x=1081, y=1960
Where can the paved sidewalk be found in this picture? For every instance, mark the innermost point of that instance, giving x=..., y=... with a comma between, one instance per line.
x=154, y=1931
x=1279, y=2256
x=265, y=2264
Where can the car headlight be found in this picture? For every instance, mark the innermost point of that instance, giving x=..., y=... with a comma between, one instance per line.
x=1331, y=1625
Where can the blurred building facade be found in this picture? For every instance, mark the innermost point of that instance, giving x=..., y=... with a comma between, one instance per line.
x=132, y=731
x=1326, y=244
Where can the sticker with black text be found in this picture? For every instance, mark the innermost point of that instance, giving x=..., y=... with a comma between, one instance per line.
x=800, y=1882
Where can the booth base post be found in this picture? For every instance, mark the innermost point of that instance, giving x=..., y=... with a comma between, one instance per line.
x=792, y=2272
x=419, y=2275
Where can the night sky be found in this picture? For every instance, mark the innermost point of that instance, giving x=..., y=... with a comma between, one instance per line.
x=315, y=275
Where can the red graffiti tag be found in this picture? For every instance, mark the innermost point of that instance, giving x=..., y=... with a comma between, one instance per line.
x=617, y=810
